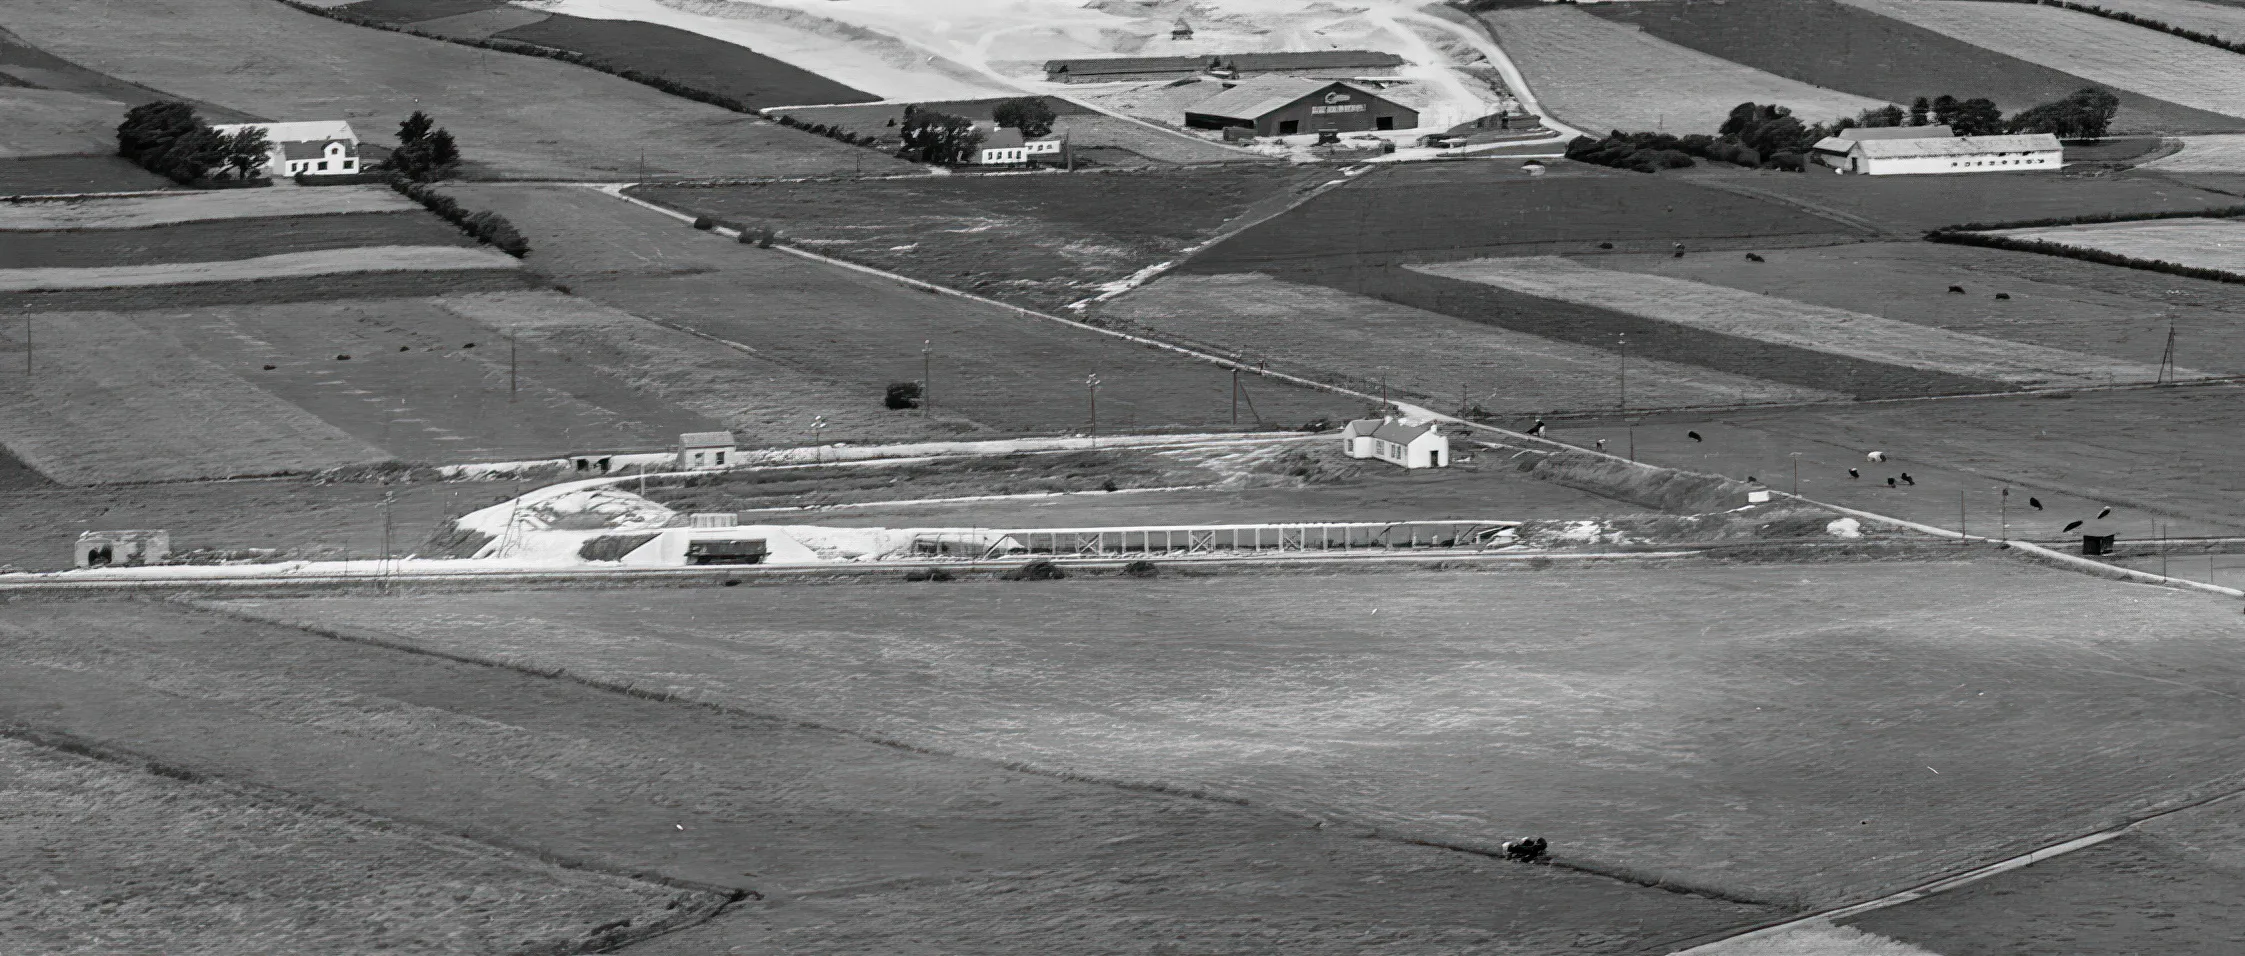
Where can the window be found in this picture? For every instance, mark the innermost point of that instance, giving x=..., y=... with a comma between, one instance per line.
x=1384, y=122
x=1289, y=127
x=323, y=164
x=347, y=164
x=720, y=458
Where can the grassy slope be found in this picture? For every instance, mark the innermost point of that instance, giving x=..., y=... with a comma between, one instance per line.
x=857, y=847
x=57, y=175
x=1599, y=76
x=1760, y=729
x=109, y=859
x=55, y=123
x=992, y=366
x=515, y=116
x=1043, y=241
x=1909, y=205
x=690, y=58
x=2199, y=243
x=1446, y=211
x=1846, y=48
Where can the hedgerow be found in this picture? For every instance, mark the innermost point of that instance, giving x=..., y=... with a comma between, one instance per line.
x=2045, y=247
x=485, y=226
x=2086, y=219
x=2148, y=23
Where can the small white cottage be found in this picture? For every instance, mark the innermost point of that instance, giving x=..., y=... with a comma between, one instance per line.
x=1392, y=441
x=700, y=451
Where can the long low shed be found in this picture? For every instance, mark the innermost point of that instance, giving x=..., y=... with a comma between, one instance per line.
x=1112, y=69
x=1199, y=539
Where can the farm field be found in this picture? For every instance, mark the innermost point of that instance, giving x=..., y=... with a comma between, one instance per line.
x=2204, y=154
x=52, y=122
x=514, y=116
x=28, y=65
x=295, y=518
x=2077, y=307
x=108, y=859
x=227, y=241
x=2148, y=453
x=1832, y=44
x=818, y=823
x=1043, y=241
x=2222, y=20
x=2120, y=55
x=139, y=212
x=2166, y=882
x=63, y=175
x=287, y=265
x=698, y=61
x=1785, y=322
x=1627, y=745
x=2199, y=243
x=1433, y=358
x=1447, y=211
x=992, y=367
x=1599, y=75
x=1911, y=205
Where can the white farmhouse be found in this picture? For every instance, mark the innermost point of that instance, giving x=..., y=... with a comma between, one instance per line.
x=1003, y=147
x=1392, y=441
x=1902, y=150
x=315, y=148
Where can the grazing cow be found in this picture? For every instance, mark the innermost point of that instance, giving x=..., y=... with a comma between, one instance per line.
x=1530, y=850
x=2035, y=503
x=2006, y=296
x=1907, y=480
x=1956, y=290
x=1876, y=456
x=1852, y=473
x=1537, y=428
x=1601, y=444
x=1890, y=481
x=1693, y=436
x=1750, y=257
x=2069, y=527
x=2102, y=515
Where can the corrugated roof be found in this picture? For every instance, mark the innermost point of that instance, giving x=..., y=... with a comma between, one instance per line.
x=1959, y=146
x=1255, y=98
x=309, y=131
x=1131, y=64
x=1314, y=60
x=1861, y=133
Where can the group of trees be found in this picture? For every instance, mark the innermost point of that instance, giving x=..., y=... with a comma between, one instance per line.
x=426, y=152
x=167, y=138
x=1770, y=136
x=932, y=136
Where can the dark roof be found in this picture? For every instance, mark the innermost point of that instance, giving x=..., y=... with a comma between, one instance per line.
x=1243, y=62
x=1257, y=97
x=1860, y=133
x=1004, y=137
x=314, y=150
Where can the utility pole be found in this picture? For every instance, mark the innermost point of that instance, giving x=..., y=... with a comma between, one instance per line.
x=2167, y=358
x=1235, y=394
x=1796, y=474
x=1625, y=374
x=2003, y=516
x=1091, y=383
x=927, y=377
x=818, y=443
x=1632, y=441
x=27, y=346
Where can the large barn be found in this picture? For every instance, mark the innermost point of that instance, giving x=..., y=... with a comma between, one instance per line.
x=1292, y=105
x=1905, y=150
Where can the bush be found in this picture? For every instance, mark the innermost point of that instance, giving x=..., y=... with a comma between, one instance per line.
x=486, y=226
x=704, y=223
x=902, y=395
x=1041, y=569
x=928, y=574
x=1141, y=568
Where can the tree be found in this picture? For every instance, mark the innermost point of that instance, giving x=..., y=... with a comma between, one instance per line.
x=933, y=137
x=247, y=151
x=1944, y=109
x=1029, y=114
x=151, y=128
x=414, y=128
x=2085, y=114
x=1976, y=117
x=1918, y=109
x=1888, y=115
x=902, y=395
x=192, y=156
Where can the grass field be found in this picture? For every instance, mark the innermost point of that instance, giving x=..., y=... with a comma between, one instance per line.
x=29, y=65
x=1433, y=358
x=1096, y=136
x=991, y=366
x=1599, y=75
x=1763, y=730
x=62, y=175
x=1043, y=241
x=690, y=58
x=1910, y=205
x=1855, y=335
x=53, y=122
x=223, y=241
x=109, y=859
x=2222, y=20
x=286, y=265
x=2116, y=54
x=1832, y=44
x=1446, y=211
x=2204, y=154
x=515, y=116
x=855, y=847
x=2200, y=243
x=137, y=212
x=2056, y=303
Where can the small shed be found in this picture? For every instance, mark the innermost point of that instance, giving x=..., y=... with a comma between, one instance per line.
x=701, y=451
x=1397, y=443
x=2098, y=538
x=101, y=549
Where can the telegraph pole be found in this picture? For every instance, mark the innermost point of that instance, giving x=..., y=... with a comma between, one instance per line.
x=927, y=377
x=1625, y=375
x=2003, y=516
x=1796, y=474
x=818, y=441
x=1091, y=384
x=1235, y=394
x=2167, y=358
x=27, y=346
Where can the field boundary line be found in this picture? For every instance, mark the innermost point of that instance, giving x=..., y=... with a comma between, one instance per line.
x=104, y=753
x=1139, y=279
x=1843, y=218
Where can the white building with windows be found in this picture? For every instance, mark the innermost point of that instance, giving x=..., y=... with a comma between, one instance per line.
x=703, y=451
x=1392, y=441
x=1907, y=150
x=313, y=148
x=1002, y=147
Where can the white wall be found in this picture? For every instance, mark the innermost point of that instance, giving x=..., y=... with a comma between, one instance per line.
x=1990, y=163
x=668, y=550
